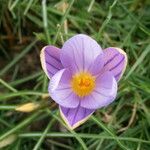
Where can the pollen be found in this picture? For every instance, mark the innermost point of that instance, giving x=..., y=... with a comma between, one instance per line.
x=83, y=84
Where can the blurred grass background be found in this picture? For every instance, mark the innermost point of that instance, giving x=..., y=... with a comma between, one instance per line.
x=28, y=25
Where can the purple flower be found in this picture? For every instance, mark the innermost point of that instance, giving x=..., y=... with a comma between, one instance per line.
x=83, y=76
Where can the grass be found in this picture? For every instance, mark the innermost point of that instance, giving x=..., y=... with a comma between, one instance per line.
x=27, y=26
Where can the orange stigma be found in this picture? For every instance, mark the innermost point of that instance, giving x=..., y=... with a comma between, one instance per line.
x=83, y=84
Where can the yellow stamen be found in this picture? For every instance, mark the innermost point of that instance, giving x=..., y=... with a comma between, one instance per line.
x=83, y=84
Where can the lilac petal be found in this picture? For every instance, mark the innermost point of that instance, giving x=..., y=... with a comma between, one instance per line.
x=79, y=52
x=50, y=60
x=103, y=94
x=115, y=60
x=97, y=65
x=60, y=89
x=74, y=117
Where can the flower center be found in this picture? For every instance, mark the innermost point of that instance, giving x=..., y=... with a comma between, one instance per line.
x=83, y=83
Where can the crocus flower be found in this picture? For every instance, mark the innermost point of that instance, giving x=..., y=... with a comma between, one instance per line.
x=83, y=77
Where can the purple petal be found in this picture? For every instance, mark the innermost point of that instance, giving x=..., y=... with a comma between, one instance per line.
x=115, y=60
x=60, y=89
x=103, y=94
x=50, y=60
x=79, y=52
x=97, y=65
x=74, y=117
